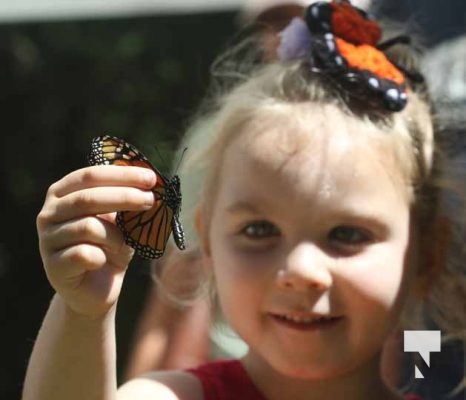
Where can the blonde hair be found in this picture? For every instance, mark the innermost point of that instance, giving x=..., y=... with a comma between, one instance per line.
x=261, y=89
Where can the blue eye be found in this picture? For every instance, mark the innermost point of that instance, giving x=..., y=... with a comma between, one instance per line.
x=260, y=230
x=350, y=236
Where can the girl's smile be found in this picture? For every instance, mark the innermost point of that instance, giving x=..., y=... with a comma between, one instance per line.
x=307, y=322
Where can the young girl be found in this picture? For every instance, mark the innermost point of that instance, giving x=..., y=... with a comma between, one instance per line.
x=317, y=219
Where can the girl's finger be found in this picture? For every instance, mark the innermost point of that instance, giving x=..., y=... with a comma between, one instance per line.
x=99, y=200
x=121, y=259
x=104, y=175
x=90, y=230
x=72, y=262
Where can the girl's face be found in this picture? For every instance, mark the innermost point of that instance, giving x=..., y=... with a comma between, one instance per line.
x=308, y=242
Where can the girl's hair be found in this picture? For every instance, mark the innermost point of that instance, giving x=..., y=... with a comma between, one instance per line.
x=250, y=92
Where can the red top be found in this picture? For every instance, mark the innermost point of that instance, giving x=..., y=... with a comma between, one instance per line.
x=227, y=380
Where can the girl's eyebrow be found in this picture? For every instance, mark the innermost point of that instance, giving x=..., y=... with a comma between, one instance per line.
x=377, y=221
x=242, y=207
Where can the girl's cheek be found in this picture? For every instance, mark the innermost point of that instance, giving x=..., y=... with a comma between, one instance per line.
x=372, y=279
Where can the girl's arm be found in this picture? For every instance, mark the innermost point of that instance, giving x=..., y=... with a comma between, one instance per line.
x=73, y=357
x=85, y=260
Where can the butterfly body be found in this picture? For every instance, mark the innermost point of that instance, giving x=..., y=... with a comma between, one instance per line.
x=146, y=231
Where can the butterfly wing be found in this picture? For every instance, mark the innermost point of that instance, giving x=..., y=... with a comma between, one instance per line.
x=146, y=231
x=110, y=150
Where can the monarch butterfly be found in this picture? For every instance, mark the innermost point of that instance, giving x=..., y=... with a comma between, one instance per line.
x=145, y=231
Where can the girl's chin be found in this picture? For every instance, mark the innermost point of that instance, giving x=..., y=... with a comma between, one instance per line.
x=308, y=373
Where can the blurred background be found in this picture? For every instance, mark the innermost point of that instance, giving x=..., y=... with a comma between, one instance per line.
x=72, y=70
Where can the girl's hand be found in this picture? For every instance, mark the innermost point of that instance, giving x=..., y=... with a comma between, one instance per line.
x=83, y=251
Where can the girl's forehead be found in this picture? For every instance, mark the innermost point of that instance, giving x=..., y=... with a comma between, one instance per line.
x=332, y=175
x=301, y=137
x=323, y=147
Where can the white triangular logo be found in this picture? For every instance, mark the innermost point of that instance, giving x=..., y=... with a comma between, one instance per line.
x=417, y=373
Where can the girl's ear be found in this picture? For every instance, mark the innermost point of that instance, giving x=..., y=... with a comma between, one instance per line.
x=433, y=250
x=200, y=224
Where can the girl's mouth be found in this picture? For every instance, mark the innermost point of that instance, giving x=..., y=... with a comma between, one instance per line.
x=307, y=323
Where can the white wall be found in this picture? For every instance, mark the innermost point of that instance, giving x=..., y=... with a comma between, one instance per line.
x=44, y=10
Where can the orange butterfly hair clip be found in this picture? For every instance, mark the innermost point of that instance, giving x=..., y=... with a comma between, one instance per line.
x=342, y=42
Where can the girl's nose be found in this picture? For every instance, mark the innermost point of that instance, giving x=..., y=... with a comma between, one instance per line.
x=306, y=267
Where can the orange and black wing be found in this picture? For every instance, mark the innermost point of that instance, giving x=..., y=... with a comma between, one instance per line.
x=146, y=231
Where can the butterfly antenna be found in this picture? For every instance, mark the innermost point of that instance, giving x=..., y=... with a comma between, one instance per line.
x=165, y=165
x=181, y=159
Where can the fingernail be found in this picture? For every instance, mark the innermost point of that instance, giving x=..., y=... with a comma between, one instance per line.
x=149, y=198
x=148, y=176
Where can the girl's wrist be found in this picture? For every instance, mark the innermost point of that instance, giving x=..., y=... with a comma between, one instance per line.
x=70, y=314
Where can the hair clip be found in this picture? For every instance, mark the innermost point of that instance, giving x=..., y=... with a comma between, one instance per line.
x=341, y=42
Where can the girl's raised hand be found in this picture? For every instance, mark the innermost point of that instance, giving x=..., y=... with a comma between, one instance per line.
x=83, y=251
